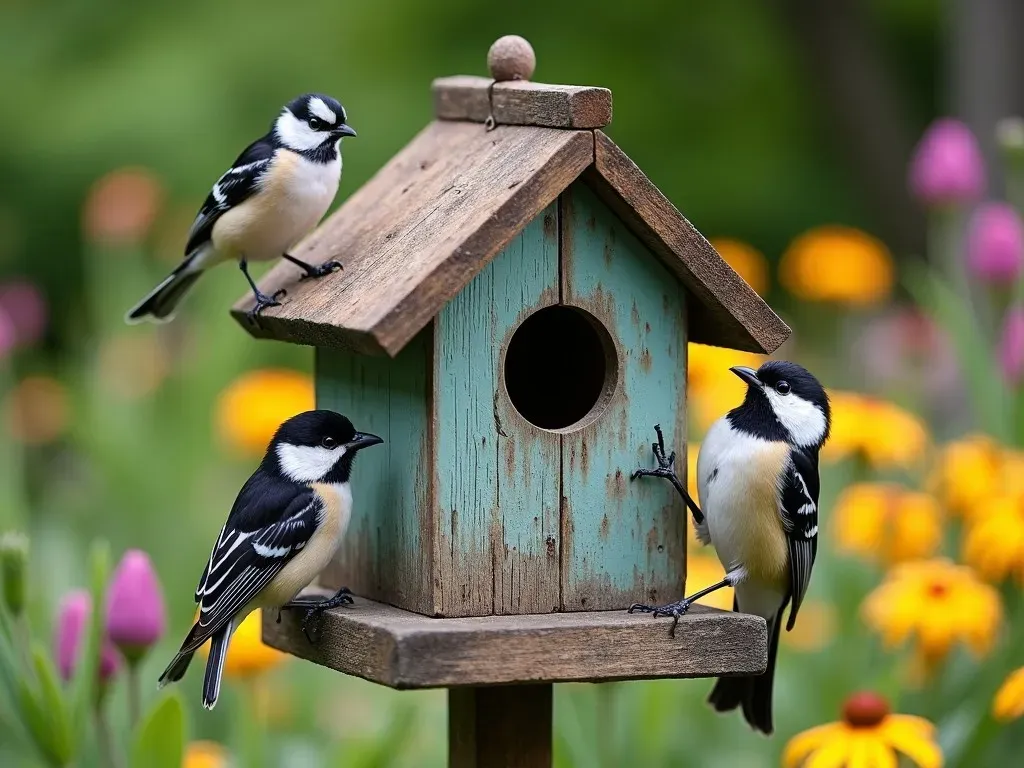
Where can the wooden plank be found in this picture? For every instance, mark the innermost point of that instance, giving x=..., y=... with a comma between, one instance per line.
x=465, y=97
x=504, y=726
x=401, y=649
x=415, y=234
x=726, y=311
x=497, y=520
x=623, y=542
x=387, y=554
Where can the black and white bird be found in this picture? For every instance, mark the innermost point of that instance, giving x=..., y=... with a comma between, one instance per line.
x=285, y=526
x=757, y=476
x=271, y=197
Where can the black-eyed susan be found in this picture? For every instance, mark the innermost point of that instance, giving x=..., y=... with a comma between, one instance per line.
x=1008, y=703
x=994, y=541
x=937, y=603
x=836, y=264
x=868, y=736
x=749, y=263
x=887, y=523
x=253, y=406
x=878, y=432
x=967, y=471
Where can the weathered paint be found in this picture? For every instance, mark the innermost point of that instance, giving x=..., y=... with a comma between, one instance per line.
x=497, y=518
x=623, y=541
x=387, y=554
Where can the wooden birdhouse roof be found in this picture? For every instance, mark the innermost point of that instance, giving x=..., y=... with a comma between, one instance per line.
x=416, y=233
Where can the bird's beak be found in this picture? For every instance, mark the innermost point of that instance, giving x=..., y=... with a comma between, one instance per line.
x=363, y=440
x=749, y=375
x=344, y=130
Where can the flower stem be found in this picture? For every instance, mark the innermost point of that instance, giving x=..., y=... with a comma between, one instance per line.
x=105, y=737
x=134, y=695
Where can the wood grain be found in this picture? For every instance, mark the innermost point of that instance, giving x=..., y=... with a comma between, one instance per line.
x=415, y=234
x=503, y=726
x=401, y=649
x=465, y=97
x=726, y=311
x=497, y=529
x=623, y=541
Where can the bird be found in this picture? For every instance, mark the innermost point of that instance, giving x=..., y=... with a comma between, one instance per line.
x=758, y=483
x=271, y=197
x=285, y=526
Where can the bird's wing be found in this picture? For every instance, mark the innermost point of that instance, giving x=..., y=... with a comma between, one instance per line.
x=247, y=558
x=238, y=183
x=799, y=510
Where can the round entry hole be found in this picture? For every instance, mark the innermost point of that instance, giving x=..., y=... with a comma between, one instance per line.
x=560, y=368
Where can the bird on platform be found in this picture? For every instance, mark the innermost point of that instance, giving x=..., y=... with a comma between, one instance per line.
x=757, y=479
x=285, y=526
x=271, y=197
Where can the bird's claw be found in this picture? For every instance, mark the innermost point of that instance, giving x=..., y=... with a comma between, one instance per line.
x=675, y=610
x=311, y=613
x=322, y=270
x=264, y=302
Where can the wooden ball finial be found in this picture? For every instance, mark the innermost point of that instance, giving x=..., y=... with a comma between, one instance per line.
x=511, y=58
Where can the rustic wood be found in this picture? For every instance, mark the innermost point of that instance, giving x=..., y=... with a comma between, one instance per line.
x=465, y=97
x=504, y=726
x=417, y=232
x=497, y=483
x=402, y=649
x=622, y=541
x=727, y=312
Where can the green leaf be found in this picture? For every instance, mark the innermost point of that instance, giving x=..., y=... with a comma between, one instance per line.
x=37, y=722
x=160, y=737
x=52, y=697
x=85, y=679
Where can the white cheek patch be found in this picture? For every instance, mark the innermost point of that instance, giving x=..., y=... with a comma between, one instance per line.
x=802, y=418
x=295, y=134
x=307, y=463
x=321, y=110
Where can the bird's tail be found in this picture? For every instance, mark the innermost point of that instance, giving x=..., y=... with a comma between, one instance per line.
x=752, y=693
x=159, y=304
x=176, y=669
x=215, y=666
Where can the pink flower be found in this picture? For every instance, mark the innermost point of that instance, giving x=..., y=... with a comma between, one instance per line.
x=136, y=617
x=1011, y=345
x=8, y=336
x=74, y=612
x=25, y=307
x=995, y=244
x=947, y=166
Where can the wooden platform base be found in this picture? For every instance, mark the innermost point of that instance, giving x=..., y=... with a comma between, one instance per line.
x=401, y=649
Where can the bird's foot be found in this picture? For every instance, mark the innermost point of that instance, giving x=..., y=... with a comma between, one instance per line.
x=263, y=302
x=675, y=610
x=666, y=465
x=315, y=610
x=313, y=272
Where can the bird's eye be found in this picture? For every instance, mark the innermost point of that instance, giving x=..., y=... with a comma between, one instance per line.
x=315, y=123
x=782, y=387
x=329, y=443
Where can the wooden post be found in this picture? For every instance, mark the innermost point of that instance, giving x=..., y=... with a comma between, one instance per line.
x=503, y=726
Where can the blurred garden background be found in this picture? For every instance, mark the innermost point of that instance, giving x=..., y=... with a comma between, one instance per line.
x=857, y=162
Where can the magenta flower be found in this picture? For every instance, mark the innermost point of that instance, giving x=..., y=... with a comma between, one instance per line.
x=136, y=616
x=26, y=309
x=995, y=244
x=74, y=611
x=947, y=166
x=1011, y=346
x=8, y=336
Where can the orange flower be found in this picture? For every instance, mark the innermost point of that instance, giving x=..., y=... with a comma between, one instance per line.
x=888, y=523
x=251, y=409
x=868, y=736
x=994, y=542
x=248, y=655
x=205, y=754
x=37, y=410
x=122, y=205
x=749, y=263
x=838, y=264
x=1009, y=701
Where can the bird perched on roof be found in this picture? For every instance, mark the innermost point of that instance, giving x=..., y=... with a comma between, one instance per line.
x=285, y=526
x=271, y=197
x=757, y=478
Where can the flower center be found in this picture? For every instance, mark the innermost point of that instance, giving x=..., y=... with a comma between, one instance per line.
x=938, y=589
x=865, y=710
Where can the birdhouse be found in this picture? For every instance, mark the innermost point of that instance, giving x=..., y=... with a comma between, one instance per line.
x=513, y=319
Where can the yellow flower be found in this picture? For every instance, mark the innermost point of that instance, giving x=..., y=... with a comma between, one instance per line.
x=205, y=754
x=994, y=542
x=703, y=571
x=247, y=653
x=814, y=629
x=887, y=523
x=939, y=603
x=868, y=736
x=713, y=388
x=838, y=264
x=1009, y=701
x=748, y=262
x=879, y=432
x=967, y=472
x=251, y=409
